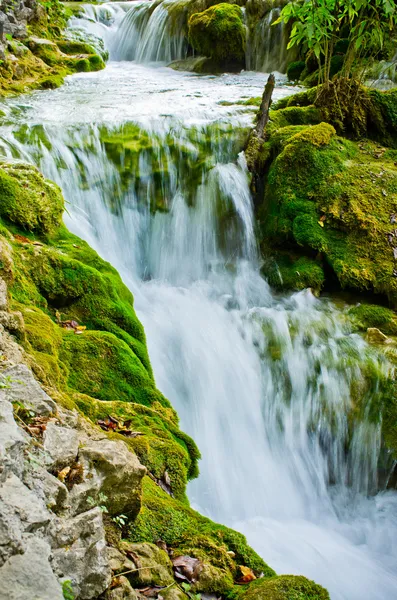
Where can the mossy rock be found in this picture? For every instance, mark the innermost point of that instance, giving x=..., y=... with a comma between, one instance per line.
x=187, y=532
x=333, y=198
x=29, y=200
x=286, y=587
x=294, y=70
x=284, y=272
x=219, y=33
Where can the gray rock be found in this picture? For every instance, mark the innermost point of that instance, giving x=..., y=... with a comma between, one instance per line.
x=116, y=559
x=80, y=553
x=12, y=438
x=48, y=488
x=10, y=533
x=24, y=388
x=29, y=508
x=3, y=295
x=112, y=470
x=61, y=444
x=13, y=322
x=29, y=576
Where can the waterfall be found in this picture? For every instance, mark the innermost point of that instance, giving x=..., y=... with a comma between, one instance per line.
x=267, y=44
x=149, y=162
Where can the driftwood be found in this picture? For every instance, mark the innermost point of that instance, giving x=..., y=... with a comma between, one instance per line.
x=265, y=106
x=257, y=136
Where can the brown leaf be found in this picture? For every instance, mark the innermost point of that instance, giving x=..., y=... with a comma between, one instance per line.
x=246, y=575
x=22, y=239
x=151, y=592
x=187, y=567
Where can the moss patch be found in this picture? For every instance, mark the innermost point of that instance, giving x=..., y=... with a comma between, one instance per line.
x=286, y=587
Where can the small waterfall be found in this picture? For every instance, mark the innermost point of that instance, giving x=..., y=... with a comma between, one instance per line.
x=267, y=44
x=152, y=32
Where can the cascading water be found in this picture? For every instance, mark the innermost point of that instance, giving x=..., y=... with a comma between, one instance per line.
x=267, y=44
x=147, y=159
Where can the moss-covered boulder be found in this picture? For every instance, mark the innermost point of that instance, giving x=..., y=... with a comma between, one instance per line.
x=333, y=201
x=29, y=200
x=286, y=587
x=219, y=33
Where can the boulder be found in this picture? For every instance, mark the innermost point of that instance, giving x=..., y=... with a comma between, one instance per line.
x=113, y=476
x=3, y=295
x=123, y=591
x=10, y=533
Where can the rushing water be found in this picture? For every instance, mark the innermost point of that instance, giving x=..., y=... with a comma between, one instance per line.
x=262, y=382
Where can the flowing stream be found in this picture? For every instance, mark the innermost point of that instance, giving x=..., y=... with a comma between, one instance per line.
x=150, y=163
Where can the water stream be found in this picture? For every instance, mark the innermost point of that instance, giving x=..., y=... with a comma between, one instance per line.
x=262, y=382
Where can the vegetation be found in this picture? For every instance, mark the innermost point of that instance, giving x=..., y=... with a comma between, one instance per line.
x=320, y=25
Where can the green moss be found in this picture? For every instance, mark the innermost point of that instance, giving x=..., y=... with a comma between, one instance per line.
x=286, y=587
x=313, y=199
x=75, y=47
x=28, y=200
x=219, y=33
x=294, y=70
x=284, y=272
x=370, y=315
x=186, y=531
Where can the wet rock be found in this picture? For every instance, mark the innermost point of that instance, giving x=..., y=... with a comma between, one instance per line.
x=80, y=553
x=111, y=471
x=375, y=336
x=29, y=575
x=61, y=444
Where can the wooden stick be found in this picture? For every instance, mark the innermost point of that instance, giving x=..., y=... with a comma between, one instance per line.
x=265, y=106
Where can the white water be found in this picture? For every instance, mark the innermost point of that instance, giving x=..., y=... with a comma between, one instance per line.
x=261, y=382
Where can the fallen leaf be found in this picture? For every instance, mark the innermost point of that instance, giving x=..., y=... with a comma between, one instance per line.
x=63, y=474
x=247, y=575
x=187, y=567
x=22, y=239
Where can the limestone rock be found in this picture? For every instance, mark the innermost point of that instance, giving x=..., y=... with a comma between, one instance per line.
x=10, y=533
x=26, y=389
x=12, y=438
x=29, y=575
x=112, y=470
x=61, y=444
x=13, y=322
x=80, y=553
x=25, y=503
x=116, y=559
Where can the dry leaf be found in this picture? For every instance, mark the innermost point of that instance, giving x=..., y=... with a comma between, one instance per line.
x=247, y=575
x=63, y=474
x=187, y=567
